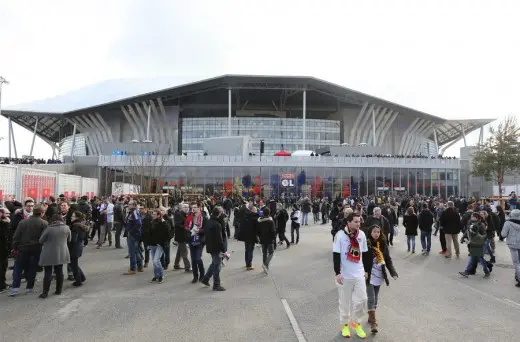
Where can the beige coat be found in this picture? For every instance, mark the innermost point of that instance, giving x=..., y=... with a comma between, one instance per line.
x=54, y=240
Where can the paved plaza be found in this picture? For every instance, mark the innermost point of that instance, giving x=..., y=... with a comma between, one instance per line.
x=429, y=302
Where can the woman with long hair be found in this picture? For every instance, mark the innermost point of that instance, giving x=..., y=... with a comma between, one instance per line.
x=376, y=262
x=79, y=231
x=411, y=223
x=55, y=253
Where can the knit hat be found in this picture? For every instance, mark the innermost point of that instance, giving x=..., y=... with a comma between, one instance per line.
x=514, y=214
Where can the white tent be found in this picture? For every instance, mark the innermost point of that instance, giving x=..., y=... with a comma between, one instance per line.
x=301, y=153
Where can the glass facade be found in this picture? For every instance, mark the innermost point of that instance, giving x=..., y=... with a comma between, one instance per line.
x=80, y=147
x=316, y=181
x=277, y=133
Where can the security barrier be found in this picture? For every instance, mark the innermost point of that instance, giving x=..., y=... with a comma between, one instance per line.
x=40, y=184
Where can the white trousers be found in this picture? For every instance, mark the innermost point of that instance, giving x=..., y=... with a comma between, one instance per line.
x=352, y=300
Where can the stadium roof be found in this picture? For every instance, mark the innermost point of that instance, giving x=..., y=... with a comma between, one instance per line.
x=114, y=93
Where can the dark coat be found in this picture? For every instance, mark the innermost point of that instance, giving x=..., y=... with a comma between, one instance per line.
x=450, y=221
x=159, y=233
x=426, y=220
x=266, y=230
x=247, y=231
x=281, y=219
x=28, y=232
x=213, y=234
x=146, y=228
x=55, y=250
x=78, y=234
x=368, y=261
x=182, y=235
x=5, y=228
x=411, y=223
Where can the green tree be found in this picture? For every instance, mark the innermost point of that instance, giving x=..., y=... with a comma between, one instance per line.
x=500, y=153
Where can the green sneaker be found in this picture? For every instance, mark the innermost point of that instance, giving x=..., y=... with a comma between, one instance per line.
x=359, y=330
x=345, y=331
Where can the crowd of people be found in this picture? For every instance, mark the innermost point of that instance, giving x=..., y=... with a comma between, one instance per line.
x=52, y=235
x=14, y=161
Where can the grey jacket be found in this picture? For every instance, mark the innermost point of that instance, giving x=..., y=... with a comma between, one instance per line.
x=54, y=240
x=511, y=232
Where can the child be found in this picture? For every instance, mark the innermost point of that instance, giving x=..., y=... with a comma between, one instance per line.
x=476, y=252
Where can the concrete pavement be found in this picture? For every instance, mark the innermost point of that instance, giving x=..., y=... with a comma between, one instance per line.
x=429, y=302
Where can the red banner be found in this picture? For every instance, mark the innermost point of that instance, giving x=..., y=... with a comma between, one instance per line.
x=66, y=194
x=73, y=194
x=34, y=186
x=1, y=195
x=46, y=192
x=33, y=192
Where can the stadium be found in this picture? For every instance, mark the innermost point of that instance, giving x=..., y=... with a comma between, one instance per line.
x=205, y=137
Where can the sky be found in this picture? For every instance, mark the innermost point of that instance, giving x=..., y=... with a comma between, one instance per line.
x=453, y=59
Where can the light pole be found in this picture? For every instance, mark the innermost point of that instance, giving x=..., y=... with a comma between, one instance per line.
x=2, y=81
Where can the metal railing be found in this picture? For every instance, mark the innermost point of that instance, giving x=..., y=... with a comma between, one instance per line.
x=317, y=161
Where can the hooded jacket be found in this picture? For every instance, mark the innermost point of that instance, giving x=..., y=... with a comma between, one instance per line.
x=511, y=232
x=266, y=230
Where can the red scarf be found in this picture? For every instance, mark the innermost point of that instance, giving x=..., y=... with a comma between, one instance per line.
x=354, y=254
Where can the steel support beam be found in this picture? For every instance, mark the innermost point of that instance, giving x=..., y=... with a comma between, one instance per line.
x=304, y=117
x=229, y=112
x=436, y=141
x=464, y=135
x=481, y=137
x=73, y=142
x=374, y=143
x=34, y=136
x=8, y=132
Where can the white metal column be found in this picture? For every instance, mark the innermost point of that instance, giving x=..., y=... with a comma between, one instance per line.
x=73, y=142
x=229, y=112
x=463, y=135
x=436, y=142
x=2, y=81
x=8, y=131
x=374, y=127
x=12, y=137
x=304, y=117
x=34, y=136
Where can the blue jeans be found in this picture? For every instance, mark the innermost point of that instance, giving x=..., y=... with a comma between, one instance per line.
x=26, y=262
x=410, y=240
x=136, y=258
x=214, y=270
x=488, y=249
x=157, y=252
x=426, y=240
x=305, y=216
x=197, y=264
x=472, y=263
x=250, y=248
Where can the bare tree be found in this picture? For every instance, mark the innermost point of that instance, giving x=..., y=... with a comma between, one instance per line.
x=500, y=153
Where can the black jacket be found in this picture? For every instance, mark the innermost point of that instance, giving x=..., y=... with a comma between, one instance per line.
x=78, y=234
x=159, y=233
x=146, y=228
x=410, y=222
x=51, y=210
x=5, y=228
x=119, y=215
x=182, y=235
x=450, y=221
x=266, y=230
x=368, y=261
x=85, y=208
x=213, y=235
x=247, y=231
x=28, y=232
x=281, y=218
x=426, y=220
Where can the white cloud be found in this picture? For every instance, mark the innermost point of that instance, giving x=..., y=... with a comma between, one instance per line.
x=454, y=59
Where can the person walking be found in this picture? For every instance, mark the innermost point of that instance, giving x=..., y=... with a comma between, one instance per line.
x=55, y=253
x=281, y=217
x=349, y=245
x=197, y=241
x=79, y=231
x=182, y=237
x=133, y=231
x=214, y=246
x=248, y=235
x=450, y=223
x=158, y=238
x=295, y=224
x=267, y=235
x=376, y=262
x=5, y=226
x=511, y=232
x=425, y=226
x=411, y=223
x=26, y=243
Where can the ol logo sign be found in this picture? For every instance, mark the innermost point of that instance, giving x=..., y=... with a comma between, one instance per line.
x=287, y=180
